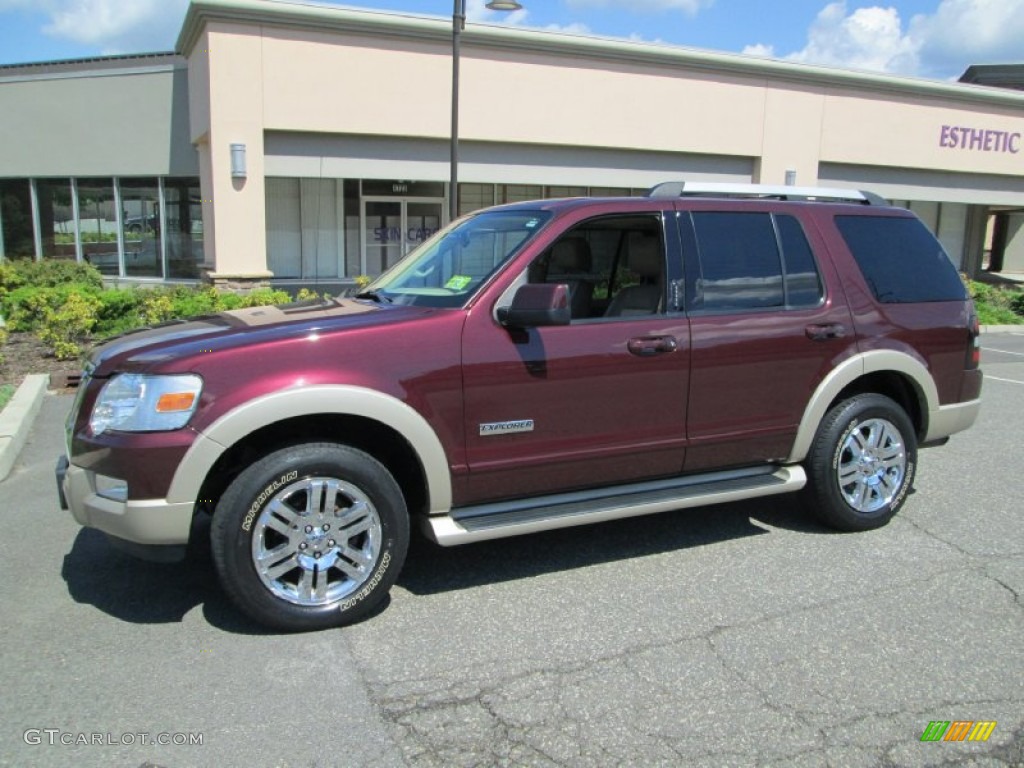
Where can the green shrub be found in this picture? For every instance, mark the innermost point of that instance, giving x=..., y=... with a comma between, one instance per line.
x=192, y=301
x=118, y=312
x=997, y=305
x=25, y=307
x=65, y=328
x=3, y=343
x=157, y=307
x=991, y=314
x=1017, y=303
x=262, y=297
x=49, y=273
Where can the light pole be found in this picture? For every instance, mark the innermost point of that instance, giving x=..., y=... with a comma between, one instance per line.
x=458, y=24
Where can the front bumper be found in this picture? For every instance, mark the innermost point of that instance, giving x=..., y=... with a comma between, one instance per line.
x=147, y=522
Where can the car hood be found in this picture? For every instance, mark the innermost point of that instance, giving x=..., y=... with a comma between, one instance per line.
x=148, y=347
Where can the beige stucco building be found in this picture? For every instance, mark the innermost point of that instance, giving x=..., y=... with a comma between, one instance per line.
x=321, y=138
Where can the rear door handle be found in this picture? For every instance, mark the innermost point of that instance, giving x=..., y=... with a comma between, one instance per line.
x=648, y=346
x=825, y=331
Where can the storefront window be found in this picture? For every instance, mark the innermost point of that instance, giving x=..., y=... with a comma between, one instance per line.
x=305, y=228
x=473, y=197
x=609, y=191
x=56, y=218
x=184, y=218
x=353, y=268
x=97, y=224
x=140, y=222
x=566, y=192
x=514, y=193
x=16, y=219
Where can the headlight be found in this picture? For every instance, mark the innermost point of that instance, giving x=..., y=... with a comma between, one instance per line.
x=133, y=402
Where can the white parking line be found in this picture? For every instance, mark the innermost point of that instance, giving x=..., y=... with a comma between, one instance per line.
x=1008, y=381
x=1002, y=351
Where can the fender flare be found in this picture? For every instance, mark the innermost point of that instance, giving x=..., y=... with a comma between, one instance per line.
x=847, y=372
x=346, y=400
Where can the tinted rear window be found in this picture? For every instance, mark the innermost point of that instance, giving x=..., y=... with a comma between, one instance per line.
x=901, y=260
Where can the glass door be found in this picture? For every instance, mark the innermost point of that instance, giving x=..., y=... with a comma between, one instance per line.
x=394, y=226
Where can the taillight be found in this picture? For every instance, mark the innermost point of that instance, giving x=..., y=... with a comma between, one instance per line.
x=973, y=343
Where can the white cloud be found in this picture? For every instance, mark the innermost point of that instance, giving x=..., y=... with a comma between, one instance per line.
x=575, y=28
x=941, y=44
x=760, y=49
x=691, y=7
x=964, y=32
x=869, y=38
x=113, y=26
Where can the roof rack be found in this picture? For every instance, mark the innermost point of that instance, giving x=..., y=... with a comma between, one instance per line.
x=764, y=191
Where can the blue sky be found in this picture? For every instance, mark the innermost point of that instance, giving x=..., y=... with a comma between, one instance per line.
x=922, y=38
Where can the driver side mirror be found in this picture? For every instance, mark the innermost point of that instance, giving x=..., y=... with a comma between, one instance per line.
x=536, y=305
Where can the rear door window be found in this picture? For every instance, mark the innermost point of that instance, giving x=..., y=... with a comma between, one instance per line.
x=900, y=259
x=753, y=261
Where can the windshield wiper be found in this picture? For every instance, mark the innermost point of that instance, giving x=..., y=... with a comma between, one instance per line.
x=374, y=295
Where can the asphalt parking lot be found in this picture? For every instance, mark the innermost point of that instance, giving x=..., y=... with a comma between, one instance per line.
x=740, y=635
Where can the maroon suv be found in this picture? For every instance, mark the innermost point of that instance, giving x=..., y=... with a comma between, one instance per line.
x=535, y=366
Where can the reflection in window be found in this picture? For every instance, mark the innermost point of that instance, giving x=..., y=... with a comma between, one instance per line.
x=739, y=261
x=184, y=219
x=803, y=284
x=56, y=218
x=97, y=224
x=16, y=219
x=140, y=205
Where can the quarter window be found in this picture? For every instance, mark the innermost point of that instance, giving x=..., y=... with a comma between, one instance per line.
x=900, y=259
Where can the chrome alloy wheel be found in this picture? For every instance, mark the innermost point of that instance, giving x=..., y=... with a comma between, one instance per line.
x=872, y=465
x=316, y=541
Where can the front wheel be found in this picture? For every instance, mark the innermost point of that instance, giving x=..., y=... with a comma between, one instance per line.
x=311, y=536
x=862, y=462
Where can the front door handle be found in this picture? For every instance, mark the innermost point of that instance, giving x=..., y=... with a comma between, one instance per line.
x=825, y=331
x=648, y=346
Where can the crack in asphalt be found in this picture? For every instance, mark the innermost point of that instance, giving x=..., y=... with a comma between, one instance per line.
x=460, y=723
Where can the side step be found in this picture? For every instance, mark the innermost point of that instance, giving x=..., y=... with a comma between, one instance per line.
x=502, y=519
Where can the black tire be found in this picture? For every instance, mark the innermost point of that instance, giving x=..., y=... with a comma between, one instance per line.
x=861, y=464
x=332, y=513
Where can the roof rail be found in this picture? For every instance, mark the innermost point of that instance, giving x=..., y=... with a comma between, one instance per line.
x=764, y=191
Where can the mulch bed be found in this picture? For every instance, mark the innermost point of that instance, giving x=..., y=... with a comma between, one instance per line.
x=24, y=354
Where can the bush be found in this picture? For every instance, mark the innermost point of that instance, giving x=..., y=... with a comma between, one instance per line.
x=997, y=305
x=25, y=308
x=118, y=312
x=65, y=328
x=48, y=273
x=1017, y=303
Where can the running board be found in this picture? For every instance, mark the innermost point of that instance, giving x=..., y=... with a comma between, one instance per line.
x=502, y=519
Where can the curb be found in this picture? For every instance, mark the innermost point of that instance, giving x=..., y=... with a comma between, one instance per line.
x=1002, y=329
x=17, y=417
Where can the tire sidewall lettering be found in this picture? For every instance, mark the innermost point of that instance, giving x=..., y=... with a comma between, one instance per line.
x=368, y=588
x=842, y=442
x=908, y=479
x=264, y=496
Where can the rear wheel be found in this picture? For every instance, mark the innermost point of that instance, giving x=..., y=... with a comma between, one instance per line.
x=862, y=462
x=310, y=536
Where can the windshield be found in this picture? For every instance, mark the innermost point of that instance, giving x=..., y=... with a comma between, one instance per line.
x=448, y=268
